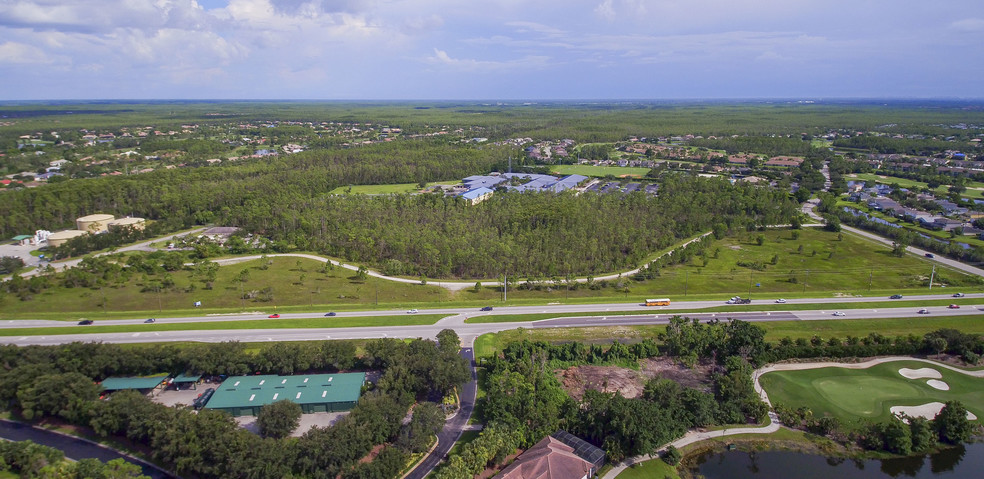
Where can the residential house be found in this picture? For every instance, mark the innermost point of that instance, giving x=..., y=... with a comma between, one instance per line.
x=559, y=456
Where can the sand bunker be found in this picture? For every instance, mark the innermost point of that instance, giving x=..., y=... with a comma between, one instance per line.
x=937, y=384
x=921, y=373
x=928, y=411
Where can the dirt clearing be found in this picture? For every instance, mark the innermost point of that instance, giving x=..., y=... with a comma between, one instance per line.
x=630, y=382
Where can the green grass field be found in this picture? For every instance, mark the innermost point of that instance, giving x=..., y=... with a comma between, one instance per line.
x=973, y=187
x=163, y=325
x=392, y=189
x=853, y=394
x=814, y=263
x=488, y=344
x=599, y=171
x=294, y=281
x=651, y=469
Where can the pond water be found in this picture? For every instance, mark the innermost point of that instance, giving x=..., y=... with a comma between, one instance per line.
x=962, y=462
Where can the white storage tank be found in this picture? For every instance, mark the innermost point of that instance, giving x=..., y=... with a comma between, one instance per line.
x=96, y=223
x=133, y=222
x=59, y=238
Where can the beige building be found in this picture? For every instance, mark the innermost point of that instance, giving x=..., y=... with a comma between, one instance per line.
x=133, y=222
x=59, y=238
x=96, y=223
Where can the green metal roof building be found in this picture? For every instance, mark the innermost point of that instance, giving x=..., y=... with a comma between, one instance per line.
x=245, y=395
x=141, y=383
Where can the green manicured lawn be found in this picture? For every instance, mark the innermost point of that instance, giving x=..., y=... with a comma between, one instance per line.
x=913, y=184
x=488, y=344
x=294, y=282
x=600, y=171
x=466, y=437
x=852, y=394
x=943, y=235
x=399, y=188
x=163, y=325
x=651, y=469
x=891, y=327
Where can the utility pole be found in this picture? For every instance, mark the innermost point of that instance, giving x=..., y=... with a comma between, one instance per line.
x=870, y=273
x=686, y=281
x=807, y=280
x=505, y=286
x=931, y=276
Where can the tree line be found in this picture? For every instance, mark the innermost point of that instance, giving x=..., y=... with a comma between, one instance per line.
x=28, y=460
x=58, y=382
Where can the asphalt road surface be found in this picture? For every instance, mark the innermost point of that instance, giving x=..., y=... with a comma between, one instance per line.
x=469, y=331
x=458, y=315
x=454, y=426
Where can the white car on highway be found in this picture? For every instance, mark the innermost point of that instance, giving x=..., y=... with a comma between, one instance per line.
x=411, y=311
x=839, y=313
x=781, y=301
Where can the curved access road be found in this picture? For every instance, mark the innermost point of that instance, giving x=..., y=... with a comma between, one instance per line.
x=74, y=448
x=808, y=210
x=454, y=426
x=449, y=285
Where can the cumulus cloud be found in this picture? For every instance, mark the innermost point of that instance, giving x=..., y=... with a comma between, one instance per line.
x=969, y=25
x=606, y=10
x=12, y=52
x=441, y=57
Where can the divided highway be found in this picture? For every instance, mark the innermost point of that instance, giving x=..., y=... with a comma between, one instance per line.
x=594, y=316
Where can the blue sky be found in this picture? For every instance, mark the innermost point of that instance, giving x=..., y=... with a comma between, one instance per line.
x=490, y=49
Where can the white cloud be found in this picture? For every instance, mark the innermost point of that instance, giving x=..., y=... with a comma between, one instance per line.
x=441, y=57
x=606, y=10
x=968, y=25
x=11, y=52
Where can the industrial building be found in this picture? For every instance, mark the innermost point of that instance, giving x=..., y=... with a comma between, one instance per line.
x=94, y=223
x=59, y=238
x=245, y=395
x=133, y=222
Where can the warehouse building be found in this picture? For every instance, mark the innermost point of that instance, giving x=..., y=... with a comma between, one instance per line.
x=144, y=384
x=245, y=395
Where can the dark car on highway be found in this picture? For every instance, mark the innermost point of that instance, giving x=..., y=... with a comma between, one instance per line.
x=85, y=322
x=487, y=308
x=895, y=296
x=330, y=314
x=150, y=320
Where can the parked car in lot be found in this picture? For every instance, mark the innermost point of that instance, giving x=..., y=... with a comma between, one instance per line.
x=150, y=320
x=895, y=296
x=781, y=301
x=274, y=316
x=958, y=295
x=411, y=311
x=839, y=313
x=85, y=322
x=330, y=314
x=923, y=311
x=487, y=308
x=954, y=306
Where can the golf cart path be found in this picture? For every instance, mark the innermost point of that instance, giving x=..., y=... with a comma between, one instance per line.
x=774, y=425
